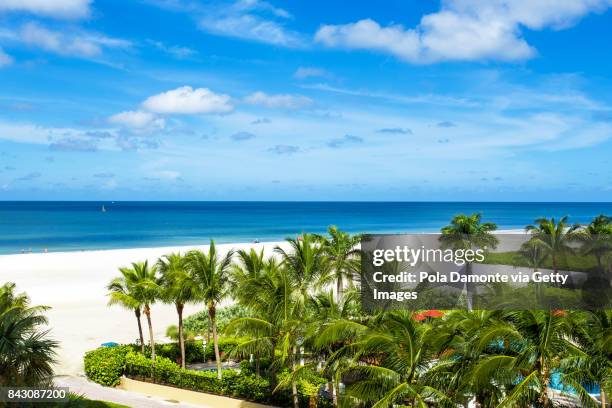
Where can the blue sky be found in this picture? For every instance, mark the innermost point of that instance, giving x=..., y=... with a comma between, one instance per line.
x=255, y=100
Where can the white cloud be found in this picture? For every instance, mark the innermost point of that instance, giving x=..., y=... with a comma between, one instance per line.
x=250, y=27
x=368, y=34
x=186, y=100
x=68, y=9
x=84, y=45
x=176, y=51
x=243, y=20
x=284, y=101
x=5, y=59
x=137, y=120
x=430, y=99
x=310, y=72
x=65, y=139
x=463, y=30
x=249, y=5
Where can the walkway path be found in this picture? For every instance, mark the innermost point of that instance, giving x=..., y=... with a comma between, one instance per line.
x=81, y=386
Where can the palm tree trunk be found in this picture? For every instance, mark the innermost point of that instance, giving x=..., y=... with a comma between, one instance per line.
x=330, y=386
x=294, y=393
x=137, y=313
x=555, y=267
x=602, y=395
x=147, y=312
x=468, y=287
x=213, y=323
x=179, y=311
x=337, y=392
x=545, y=372
x=339, y=289
x=272, y=368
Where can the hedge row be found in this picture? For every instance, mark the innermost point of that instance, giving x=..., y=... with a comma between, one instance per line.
x=194, y=351
x=164, y=371
x=106, y=365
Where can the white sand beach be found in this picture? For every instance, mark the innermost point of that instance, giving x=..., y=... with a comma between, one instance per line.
x=73, y=284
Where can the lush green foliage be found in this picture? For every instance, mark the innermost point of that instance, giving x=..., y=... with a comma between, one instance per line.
x=200, y=323
x=105, y=365
x=26, y=352
x=233, y=384
x=211, y=272
x=194, y=351
x=301, y=344
x=178, y=286
x=226, y=346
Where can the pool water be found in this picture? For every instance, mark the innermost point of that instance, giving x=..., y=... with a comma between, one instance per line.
x=555, y=383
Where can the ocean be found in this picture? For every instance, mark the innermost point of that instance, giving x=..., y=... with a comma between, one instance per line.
x=74, y=226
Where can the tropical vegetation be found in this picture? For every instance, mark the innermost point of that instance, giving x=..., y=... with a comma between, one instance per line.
x=27, y=353
x=296, y=327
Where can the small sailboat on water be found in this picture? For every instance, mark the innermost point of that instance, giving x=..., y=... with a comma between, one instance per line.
x=103, y=208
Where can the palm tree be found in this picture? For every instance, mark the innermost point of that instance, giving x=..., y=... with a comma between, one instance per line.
x=277, y=323
x=26, y=352
x=178, y=286
x=390, y=361
x=596, y=238
x=211, y=273
x=306, y=267
x=534, y=252
x=306, y=264
x=120, y=293
x=531, y=346
x=594, y=366
x=469, y=232
x=333, y=324
x=554, y=236
x=342, y=254
x=143, y=283
x=249, y=268
x=455, y=372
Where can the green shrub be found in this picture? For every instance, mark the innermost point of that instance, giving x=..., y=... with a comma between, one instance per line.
x=249, y=367
x=204, y=381
x=194, y=351
x=105, y=365
x=138, y=365
x=199, y=322
x=308, y=386
x=233, y=383
x=246, y=386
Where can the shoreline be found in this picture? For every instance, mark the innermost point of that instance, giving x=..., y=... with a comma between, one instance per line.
x=73, y=284
x=174, y=248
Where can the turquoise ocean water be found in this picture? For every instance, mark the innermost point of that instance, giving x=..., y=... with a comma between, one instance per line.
x=70, y=226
